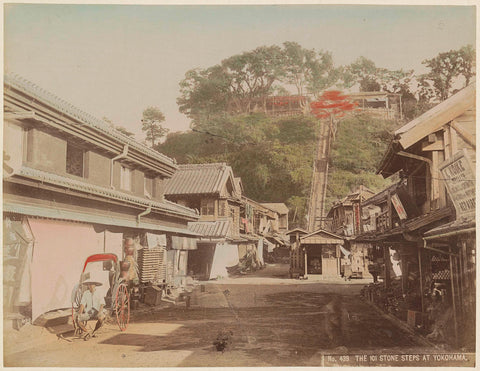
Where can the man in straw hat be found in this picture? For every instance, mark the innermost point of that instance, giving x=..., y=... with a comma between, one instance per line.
x=91, y=306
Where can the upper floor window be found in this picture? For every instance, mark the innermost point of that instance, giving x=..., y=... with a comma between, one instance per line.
x=75, y=160
x=14, y=143
x=283, y=221
x=222, y=208
x=207, y=207
x=125, y=178
x=148, y=187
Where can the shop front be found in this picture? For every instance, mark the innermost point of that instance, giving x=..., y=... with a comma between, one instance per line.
x=321, y=253
x=44, y=257
x=449, y=283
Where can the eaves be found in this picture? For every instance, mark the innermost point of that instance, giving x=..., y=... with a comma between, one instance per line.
x=40, y=179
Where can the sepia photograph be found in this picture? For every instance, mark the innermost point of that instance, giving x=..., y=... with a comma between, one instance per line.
x=239, y=185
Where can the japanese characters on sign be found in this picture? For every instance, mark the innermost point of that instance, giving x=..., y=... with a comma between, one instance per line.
x=397, y=204
x=459, y=178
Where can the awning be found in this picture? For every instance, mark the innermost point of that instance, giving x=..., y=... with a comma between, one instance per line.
x=56, y=213
x=277, y=240
x=270, y=246
x=451, y=229
x=184, y=243
x=344, y=251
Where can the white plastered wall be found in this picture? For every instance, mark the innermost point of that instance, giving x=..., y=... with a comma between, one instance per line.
x=60, y=250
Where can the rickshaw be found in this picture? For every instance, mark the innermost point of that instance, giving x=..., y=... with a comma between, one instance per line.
x=114, y=288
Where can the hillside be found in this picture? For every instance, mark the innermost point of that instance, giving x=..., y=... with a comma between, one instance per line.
x=360, y=144
x=274, y=156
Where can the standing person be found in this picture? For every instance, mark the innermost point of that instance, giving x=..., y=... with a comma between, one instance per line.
x=91, y=306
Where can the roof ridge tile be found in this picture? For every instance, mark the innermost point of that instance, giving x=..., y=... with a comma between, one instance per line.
x=68, y=108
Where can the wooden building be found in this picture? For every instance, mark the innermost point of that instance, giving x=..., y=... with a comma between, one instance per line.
x=231, y=226
x=268, y=222
x=426, y=225
x=213, y=191
x=280, y=222
x=288, y=105
x=73, y=186
x=315, y=254
x=378, y=103
x=346, y=221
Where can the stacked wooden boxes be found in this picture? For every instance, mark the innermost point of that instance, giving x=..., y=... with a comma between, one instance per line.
x=151, y=264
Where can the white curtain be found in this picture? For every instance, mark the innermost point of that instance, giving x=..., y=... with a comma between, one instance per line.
x=154, y=240
x=13, y=145
x=225, y=256
x=260, y=251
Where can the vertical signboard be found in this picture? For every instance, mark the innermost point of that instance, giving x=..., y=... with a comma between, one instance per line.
x=397, y=204
x=459, y=177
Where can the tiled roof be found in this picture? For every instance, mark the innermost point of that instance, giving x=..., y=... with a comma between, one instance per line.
x=321, y=232
x=198, y=179
x=68, y=109
x=84, y=217
x=299, y=230
x=366, y=193
x=278, y=207
x=217, y=229
x=78, y=185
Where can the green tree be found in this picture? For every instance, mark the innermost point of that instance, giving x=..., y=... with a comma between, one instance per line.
x=121, y=129
x=274, y=156
x=204, y=92
x=361, y=142
x=445, y=69
x=151, y=124
x=241, y=83
x=467, y=63
x=363, y=72
x=369, y=77
x=251, y=75
x=307, y=70
x=124, y=131
x=234, y=85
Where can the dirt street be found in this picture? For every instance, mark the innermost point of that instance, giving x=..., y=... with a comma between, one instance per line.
x=265, y=321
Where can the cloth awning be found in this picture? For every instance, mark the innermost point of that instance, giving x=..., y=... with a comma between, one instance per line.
x=270, y=246
x=277, y=240
x=184, y=243
x=344, y=251
x=62, y=214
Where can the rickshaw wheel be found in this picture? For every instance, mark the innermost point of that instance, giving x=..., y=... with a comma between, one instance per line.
x=122, y=306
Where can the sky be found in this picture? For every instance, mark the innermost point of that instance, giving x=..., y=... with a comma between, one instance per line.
x=114, y=61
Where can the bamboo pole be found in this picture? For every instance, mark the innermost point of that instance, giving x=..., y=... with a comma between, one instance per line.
x=306, y=272
x=455, y=328
x=420, y=272
x=386, y=257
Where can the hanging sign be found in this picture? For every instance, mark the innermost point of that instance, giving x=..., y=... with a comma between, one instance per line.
x=356, y=213
x=459, y=179
x=397, y=204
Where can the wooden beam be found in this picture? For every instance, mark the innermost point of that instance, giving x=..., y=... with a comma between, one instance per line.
x=435, y=177
x=435, y=146
x=465, y=135
x=447, y=140
x=420, y=273
x=438, y=116
x=454, y=306
x=439, y=251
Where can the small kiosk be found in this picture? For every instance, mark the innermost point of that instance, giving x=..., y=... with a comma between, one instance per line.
x=317, y=253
